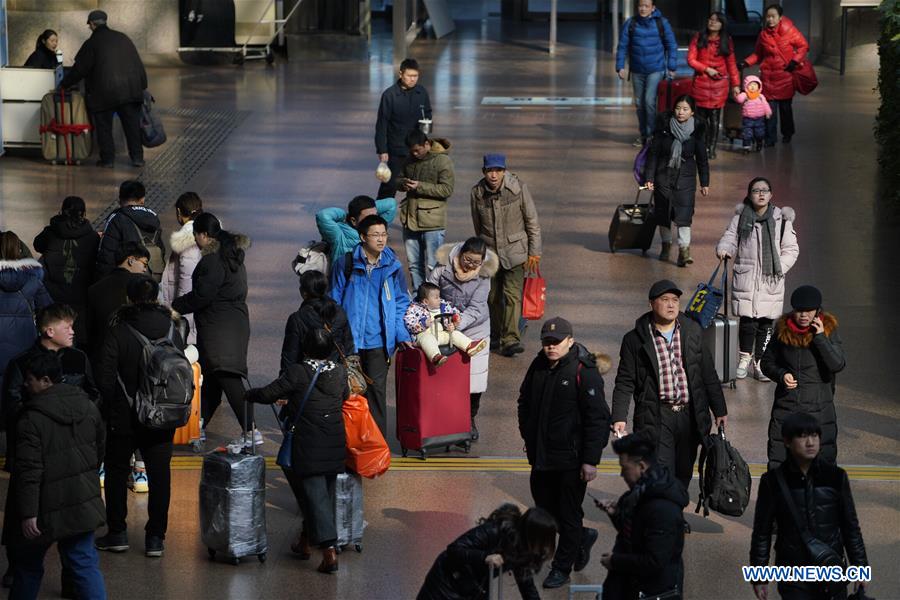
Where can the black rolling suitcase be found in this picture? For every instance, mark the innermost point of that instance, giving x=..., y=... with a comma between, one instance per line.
x=632, y=226
x=721, y=337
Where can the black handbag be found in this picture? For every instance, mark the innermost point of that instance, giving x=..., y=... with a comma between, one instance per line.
x=285, y=452
x=820, y=553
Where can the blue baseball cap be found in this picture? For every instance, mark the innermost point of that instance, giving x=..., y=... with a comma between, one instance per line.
x=494, y=161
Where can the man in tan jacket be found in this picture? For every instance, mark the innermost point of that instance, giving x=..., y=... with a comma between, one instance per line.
x=504, y=216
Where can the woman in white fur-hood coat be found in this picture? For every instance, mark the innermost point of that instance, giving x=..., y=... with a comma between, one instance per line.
x=176, y=279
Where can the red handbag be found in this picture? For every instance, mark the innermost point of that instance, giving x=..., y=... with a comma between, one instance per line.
x=534, y=296
x=805, y=80
x=367, y=452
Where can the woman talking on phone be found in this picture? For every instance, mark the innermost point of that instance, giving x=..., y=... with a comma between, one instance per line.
x=803, y=358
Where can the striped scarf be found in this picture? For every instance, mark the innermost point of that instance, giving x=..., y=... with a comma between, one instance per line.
x=673, y=385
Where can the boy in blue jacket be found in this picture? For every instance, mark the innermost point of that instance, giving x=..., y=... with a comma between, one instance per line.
x=338, y=227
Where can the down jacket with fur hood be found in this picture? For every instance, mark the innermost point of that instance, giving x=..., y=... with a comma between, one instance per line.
x=22, y=293
x=813, y=360
x=176, y=279
x=752, y=294
x=775, y=47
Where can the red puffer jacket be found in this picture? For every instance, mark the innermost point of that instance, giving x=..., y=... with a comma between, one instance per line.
x=775, y=48
x=709, y=92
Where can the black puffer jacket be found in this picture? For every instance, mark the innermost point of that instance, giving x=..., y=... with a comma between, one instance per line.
x=638, y=378
x=319, y=446
x=813, y=361
x=823, y=498
x=563, y=415
x=460, y=573
x=59, y=449
x=42, y=58
x=104, y=298
x=121, y=357
x=307, y=317
x=219, y=303
x=112, y=69
x=647, y=553
x=674, y=190
x=69, y=251
x=122, y=226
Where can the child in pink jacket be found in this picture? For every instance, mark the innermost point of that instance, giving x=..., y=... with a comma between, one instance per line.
x=755, y=110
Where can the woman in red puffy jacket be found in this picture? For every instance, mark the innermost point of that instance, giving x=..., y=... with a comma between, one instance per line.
x=711, y=55
x=780, y=49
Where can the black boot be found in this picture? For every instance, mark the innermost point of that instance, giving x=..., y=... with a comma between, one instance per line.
x=474, y=431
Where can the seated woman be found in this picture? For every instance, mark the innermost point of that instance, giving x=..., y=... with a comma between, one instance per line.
x=44, y=55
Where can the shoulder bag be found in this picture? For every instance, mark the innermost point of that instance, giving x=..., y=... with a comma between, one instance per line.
x=285, y=458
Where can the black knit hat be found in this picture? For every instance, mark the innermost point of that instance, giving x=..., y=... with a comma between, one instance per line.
x=806, y=297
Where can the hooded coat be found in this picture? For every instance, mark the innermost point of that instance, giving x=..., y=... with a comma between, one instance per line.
x=675, y=188
x=176, y=279
x=22, y=293
x=218, y=301
x=752, y=294
x=776, y=48
x=646, y=50
x=128, y=223
x=58, y=452
x=319, y=446
x=307, y=317
x=470, y=297
x=68, y=253
x=646, y=557
x=712, y=92
x=507, y=220
x=563, y=415
x=755, y=108
x=813, y=360
x=425, y=208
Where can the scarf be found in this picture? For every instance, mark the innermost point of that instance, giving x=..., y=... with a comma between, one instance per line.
x=463, y=276
x=793, y=326
x=681, y=132
x=771, y=259
x=753, y=94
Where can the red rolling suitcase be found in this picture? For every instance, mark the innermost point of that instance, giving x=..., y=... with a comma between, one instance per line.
x=432, y=403
x=669, y=90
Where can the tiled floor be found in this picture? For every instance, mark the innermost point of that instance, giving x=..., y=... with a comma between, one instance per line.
x=307, y=143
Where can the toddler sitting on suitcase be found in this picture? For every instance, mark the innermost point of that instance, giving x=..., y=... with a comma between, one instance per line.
x=755, y=110
x=424, y=323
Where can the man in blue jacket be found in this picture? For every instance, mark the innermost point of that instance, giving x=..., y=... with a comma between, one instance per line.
x=649, y=43
x=338, y=227
x=375, y=299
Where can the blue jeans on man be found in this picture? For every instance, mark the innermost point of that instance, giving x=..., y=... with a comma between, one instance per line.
x=78, y=552
x=421, y=253
x=646, y=87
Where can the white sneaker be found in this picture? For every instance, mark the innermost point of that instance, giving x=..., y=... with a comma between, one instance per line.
x=257, y=439
x=139, y=483
x=743, y=367
x=102, y=474
x=757, y=372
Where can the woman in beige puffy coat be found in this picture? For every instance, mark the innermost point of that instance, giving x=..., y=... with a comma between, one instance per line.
x=176, y=280
x=762, y=242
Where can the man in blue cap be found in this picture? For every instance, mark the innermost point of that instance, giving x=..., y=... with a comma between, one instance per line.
x=504, y=216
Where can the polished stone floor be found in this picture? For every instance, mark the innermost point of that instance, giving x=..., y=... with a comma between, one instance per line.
x=306, y=143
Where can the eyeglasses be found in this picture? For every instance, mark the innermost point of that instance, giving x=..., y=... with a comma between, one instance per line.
x=760, y=191
x=377, y=236
x=470, y=262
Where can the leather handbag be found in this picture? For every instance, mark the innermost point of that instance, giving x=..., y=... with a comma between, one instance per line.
x=534, y=296
x=357, y=380
x=820, y=553
x=285, y=458
x=707, y=300
x=805, y=80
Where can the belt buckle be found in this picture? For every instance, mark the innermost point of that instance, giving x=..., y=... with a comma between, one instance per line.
x=676, y=407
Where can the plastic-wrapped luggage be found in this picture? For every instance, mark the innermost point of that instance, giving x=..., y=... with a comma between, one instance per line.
x=233, y=505
x=348, y=510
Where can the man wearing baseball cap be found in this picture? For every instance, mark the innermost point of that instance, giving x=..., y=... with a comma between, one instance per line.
x=670, y=374
x=504, y=216
x=564, y=421
x=803, y=358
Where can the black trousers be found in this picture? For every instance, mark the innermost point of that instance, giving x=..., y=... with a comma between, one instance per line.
x=315, y=497
x=130, y=116
x=678, y=442
x=214, y=384
x=754, y=335
x=710, y=117
x=474, y=403
x=781, y=109
x=375, y=365
x=561, y=493
x=388, y=189
x=156, y=448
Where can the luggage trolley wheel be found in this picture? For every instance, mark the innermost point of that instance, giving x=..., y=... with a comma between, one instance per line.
x=468, y=446
x=423, y=454
x=404, y=451
x=235, y=560
x=261, y=557
x=358, y=547
x=211, y=552
x=238, y=59
x=270, y=56
x=644, y=251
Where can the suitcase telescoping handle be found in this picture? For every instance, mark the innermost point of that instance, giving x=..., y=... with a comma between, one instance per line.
x=495, y=583
x=434, y=323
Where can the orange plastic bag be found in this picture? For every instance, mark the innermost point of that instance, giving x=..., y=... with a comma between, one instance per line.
x=367, y=452
x=190, y=432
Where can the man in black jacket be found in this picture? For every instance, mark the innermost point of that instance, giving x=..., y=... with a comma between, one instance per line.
x=646, y=558
x=56, y=487
x=120, y=359
x=820, y=494
x=115, y=81
x=564, y=421
x=401, y=107
x=132, y=222
x=668, y=371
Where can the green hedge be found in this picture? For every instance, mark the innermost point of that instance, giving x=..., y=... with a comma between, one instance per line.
x=887, y=127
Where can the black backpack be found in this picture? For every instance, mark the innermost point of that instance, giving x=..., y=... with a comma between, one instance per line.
x=724, y=477
x=164, y=394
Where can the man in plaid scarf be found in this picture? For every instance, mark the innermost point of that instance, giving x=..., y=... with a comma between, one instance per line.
x=670, y=374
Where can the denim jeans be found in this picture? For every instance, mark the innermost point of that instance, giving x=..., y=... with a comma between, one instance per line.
x=78, y=551
x=645, y=87
x=421, y=253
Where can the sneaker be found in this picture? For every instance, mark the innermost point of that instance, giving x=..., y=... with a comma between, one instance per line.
x=438, y=359
x=112, y=542
x=584, y=553
x=555, y=579
x=757, y=372
x=102, y=474
x=153, y=546
x=476, y=347
x=512, y=349
x=139, y=483
x=743, y=367
x=257, y=439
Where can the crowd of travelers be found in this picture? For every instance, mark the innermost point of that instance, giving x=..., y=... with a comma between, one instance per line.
x=74, y=322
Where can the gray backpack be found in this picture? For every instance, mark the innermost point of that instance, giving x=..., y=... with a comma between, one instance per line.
x=164, y=394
